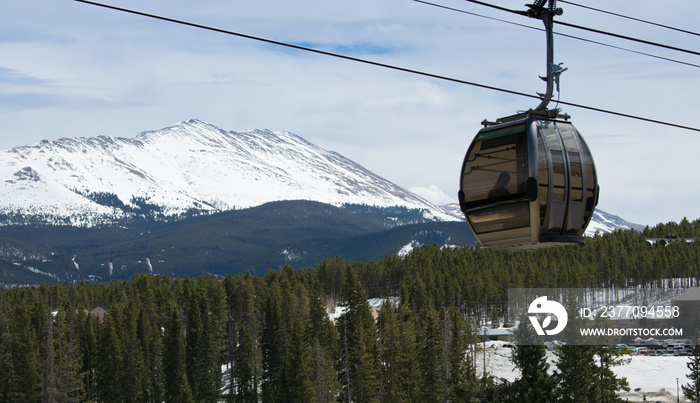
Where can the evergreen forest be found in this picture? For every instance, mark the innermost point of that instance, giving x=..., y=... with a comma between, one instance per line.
x=255, y=338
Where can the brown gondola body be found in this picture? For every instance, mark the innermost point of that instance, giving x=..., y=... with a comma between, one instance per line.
x=528, y=182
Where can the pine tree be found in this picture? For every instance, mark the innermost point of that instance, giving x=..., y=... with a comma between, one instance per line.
x=431, y=357
x=530, y=357
x=326, y=386
x=692, y=389
x=320, y=326
x=273, y=343
x=462, y=376
x=287, y=362
x=199, y=357
x=109, y=367
x=87, y=341
x=24, y=372
x=387, y=327
x=50, y=373
x=495, y=320
x=215, y=294
x=577, y=374
x=357, y=344
x=134, y=378
x=244, y=368
x=184, y=394
x=244, y=352
x=323, y=343
x=67, y=359
x=608, y=382
x=173, y=356
x=4, y=348
x=150, y=340
x=409, y=365
x=231, y=334
x=296, y=371
x=396, y=355
x=231, y=343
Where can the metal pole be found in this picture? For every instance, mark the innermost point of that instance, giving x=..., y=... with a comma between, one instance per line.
x=546, y=13
x=548, y=19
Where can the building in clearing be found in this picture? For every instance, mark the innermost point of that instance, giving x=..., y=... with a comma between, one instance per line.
x=99, y=312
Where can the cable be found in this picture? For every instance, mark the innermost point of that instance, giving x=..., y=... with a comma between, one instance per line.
x=498, y=7
x=598, y=31
x=629, y=38
x=388, y=66
x=629, y=50
x=478, y=15
x=632, y=18
x=560, y=34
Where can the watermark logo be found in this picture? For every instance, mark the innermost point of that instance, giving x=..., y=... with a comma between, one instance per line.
x=599, y=317
x=551, y=308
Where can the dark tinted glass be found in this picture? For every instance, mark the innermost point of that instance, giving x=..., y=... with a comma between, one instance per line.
x=496, y=168
x=494, y=178
x=500, y=218
x=559, y=175
x=591, y=183
x=576, y=176
x=542, y=178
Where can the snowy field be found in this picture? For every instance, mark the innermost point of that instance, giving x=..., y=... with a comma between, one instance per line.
x=653, y=376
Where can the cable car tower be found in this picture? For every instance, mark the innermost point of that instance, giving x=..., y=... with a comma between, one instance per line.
x=528, y=181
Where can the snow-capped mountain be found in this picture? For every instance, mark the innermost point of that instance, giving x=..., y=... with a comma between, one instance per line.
x=190, y=166
x=194, y=166
x=603, y=222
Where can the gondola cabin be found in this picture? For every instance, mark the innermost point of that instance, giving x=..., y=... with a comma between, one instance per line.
x=528, y=182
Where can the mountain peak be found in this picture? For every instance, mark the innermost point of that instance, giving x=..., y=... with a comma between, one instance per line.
x=603, y=222
x=192, y=129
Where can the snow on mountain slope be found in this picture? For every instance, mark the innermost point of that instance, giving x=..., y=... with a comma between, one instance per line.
x=603, y=222
x=189, y=166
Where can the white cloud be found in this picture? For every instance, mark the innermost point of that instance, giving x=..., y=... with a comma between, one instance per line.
x=434, y=195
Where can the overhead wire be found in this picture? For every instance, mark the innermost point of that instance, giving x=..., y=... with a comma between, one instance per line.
x=559, y=34
x=629, y=38
x=478, y=15
x=685, y=31
x=377, y=64
x=598, y=31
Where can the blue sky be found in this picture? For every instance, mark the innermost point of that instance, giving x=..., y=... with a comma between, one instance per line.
x=69, y=69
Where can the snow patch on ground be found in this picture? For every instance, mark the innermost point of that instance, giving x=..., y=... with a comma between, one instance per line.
x=43, y=273
x=650, y=375
x=408, y=248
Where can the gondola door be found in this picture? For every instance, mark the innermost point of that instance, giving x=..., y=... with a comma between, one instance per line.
x=555, y=198
x=568, y=186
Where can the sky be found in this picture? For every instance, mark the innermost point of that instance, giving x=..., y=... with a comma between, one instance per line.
x=69, y=69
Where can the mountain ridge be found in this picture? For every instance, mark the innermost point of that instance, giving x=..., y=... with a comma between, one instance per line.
x=299, y=233
x=189, y=167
